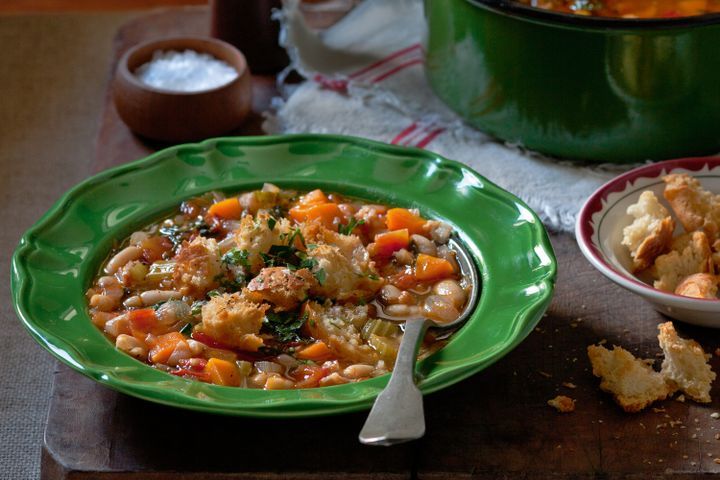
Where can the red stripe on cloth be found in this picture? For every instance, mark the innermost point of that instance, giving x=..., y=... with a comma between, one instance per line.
x=404, y=133
x=383, y=61
x=429, y=138
x=331, y=83
x=395, y=70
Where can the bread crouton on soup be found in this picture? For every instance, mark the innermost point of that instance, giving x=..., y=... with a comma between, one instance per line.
x=282, y=287
x=255, y=236
x=234, y=320
x=695, y=207
x=650, y=234
x=691, y=254
x=197, y=266
x=632, y=382
x=685, y=364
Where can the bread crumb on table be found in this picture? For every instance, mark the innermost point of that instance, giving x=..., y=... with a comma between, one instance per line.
x=562, y=404
x=635, y=385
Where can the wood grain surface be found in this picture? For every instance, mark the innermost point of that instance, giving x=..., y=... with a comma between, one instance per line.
x=493, y=425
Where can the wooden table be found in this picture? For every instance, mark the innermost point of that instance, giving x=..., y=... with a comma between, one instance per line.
x=494, y=425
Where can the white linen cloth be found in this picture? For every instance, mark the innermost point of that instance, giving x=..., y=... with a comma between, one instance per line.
x=365, y=78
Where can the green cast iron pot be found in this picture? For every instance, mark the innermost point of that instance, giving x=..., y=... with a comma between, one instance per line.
x=587, y=88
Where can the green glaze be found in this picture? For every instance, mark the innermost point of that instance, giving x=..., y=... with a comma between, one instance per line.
x=58, y=257
x=582, y=88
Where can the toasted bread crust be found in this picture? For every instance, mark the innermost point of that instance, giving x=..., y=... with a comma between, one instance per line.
x=632, y=382
x=685, y=364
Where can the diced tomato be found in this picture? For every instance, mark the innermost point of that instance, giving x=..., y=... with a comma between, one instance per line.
x=154, y=248
x=308, y=376
x=209, y=341
x=186, y=372
x=404, y=280
x=143, y=320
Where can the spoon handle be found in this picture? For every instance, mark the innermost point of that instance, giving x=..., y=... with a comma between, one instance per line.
x=397, y=415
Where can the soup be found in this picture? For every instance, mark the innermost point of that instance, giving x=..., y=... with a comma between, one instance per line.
x=629, y=8
x=275, y=289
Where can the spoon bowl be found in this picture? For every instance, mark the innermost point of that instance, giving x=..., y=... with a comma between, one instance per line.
x=397, y=415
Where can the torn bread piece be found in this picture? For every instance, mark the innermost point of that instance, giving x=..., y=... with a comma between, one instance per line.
x=695, y=207
x=691, y=254
x=698, y=285
x=631, y=381
x=650, y=234
x=685, y=364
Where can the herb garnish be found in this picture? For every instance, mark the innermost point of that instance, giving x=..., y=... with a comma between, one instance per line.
x=347, y=229
x=284, y=326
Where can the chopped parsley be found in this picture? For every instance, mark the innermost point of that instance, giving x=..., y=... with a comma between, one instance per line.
x=237, y=257
x=284, y=326
x=177, y=233
x=271, y=222
x=187, y=329
x=347, y=229
x=320, y=276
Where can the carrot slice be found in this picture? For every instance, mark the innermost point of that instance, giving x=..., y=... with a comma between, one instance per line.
x=399, y=218
x=222, y=372
x=162, y=346
x=326, y=212
x=314, y=197
x=318, y=351
x=428, y=268
x=229, y=209
x=389, y=242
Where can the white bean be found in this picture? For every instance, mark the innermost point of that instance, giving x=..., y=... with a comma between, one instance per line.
x=111, y=287
x=115, y=326
x=122, y=257
x=196, y=348
x=390, y=294
x=451, y=290
x=278, y=383
x=401, y=310
x=131, y=345
x=133, y=302
x=423, y=245
x=103, y=302
x=440, y=308
x=358, y=370
x=138, y=237
x=333, y=379
x=151, y=297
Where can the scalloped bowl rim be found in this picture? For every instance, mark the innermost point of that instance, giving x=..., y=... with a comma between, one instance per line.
x=525, y=319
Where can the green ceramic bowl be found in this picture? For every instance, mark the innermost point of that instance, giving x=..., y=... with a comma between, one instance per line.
x=590, y=88
x=59, y=256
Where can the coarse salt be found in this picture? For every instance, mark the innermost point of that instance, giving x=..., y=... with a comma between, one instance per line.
x=187, y=71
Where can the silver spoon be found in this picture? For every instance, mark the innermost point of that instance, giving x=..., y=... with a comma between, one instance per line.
x=397, y=415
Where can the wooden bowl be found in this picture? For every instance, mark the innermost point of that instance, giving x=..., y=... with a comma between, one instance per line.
x=173, y=116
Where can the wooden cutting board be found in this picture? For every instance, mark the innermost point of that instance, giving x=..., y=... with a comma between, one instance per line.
x=494, y=425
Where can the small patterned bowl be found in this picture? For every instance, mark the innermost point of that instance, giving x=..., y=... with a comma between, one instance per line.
x=601, y=221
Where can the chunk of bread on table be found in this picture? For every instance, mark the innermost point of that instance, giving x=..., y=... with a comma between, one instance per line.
x=691, y=254
x=631, y=381
x=695, y=207
x=685, y=364
x=650, y=234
